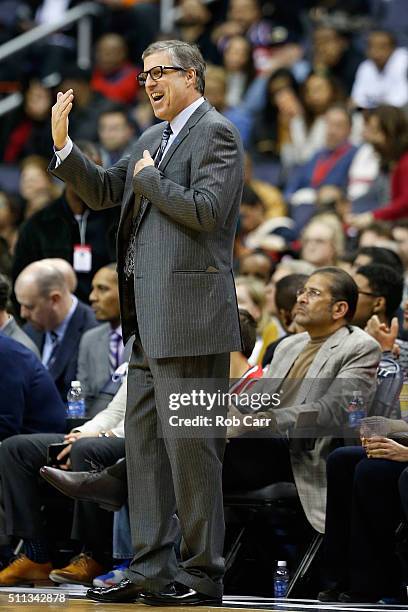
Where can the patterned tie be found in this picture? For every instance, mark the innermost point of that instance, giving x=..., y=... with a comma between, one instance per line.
x=55, y=345
x=114, y=341
x=130, y=253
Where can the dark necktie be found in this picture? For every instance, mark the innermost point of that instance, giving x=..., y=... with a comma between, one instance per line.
x=55, y=345
x=130, y=252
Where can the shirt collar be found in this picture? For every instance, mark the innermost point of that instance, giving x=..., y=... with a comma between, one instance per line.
x=181, y=119
x=61, y=329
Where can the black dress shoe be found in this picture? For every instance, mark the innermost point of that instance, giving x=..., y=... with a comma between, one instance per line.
x=124, y=592
x=329, y=594
x=99, y=487
x=357, y=597
x=178, y=595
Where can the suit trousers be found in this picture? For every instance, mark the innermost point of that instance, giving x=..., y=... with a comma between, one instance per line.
x=166, y=473
x=363, y=512
x=20, y=460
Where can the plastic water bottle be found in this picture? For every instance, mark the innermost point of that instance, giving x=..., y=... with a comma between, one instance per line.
x=75, y=401
x=356, y=410
x=281, y=580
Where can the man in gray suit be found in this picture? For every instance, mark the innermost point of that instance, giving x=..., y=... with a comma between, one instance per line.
x=179, y=193
x=314, y=374
x=101, y=349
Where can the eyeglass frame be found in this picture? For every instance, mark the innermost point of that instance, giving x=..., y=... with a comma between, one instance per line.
x=368, y=293
x=308, y=292
x=148, y=72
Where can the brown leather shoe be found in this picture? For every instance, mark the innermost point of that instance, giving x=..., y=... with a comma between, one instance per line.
x=24, y=571
x=99, y=487
x=82, y=570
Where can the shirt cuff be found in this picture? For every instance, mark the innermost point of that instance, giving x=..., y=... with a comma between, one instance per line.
x=64, y=152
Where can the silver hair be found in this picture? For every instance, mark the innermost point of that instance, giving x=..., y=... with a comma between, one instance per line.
x=182, y=54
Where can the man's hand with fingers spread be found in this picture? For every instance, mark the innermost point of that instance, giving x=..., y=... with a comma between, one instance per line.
x=385, y=336
x=146, y=160
x=59, y=118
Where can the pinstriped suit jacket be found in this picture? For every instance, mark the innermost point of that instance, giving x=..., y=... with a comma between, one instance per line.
x=182, y=300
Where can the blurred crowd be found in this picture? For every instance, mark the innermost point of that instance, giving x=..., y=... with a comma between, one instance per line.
x=317, y=89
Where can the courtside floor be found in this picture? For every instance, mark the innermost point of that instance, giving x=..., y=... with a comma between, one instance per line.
x=67, y=597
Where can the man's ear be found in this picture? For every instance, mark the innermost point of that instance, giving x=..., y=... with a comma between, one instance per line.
x=55, y=297
x=191, y=76
x=339, y=310
x=379, y=305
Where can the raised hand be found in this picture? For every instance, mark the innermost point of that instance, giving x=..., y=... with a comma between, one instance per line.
x=59, y=118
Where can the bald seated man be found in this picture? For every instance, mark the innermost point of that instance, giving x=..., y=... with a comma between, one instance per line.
x=55, y=320
x=67, y=270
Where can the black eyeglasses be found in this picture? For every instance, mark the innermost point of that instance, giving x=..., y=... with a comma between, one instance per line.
x=368, y=293
x=156, y=73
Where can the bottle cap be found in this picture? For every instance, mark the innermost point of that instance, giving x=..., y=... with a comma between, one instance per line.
x=281, y=563
x=75, y=384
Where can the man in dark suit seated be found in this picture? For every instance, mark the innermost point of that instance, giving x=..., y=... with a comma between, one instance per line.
x=55, y=318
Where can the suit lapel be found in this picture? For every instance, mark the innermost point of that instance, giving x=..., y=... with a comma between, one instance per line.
x=68, y=345
x=281, y=368
x=319, y=362
x=195, y=117
x=129, y=200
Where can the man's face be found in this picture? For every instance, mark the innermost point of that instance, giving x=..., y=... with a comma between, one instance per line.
x=36, y=309
x=114, y=131
x=379, y=49
x=244, y=12
x=367, y=302
x=337, y=128
x=314, y=307
x=400, y=235
x=104, y=296
x=329, y=46
x=167, y=95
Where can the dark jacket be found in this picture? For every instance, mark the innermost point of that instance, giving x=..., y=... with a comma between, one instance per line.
x=29, y=400
x=53, y=232
x=64, y=368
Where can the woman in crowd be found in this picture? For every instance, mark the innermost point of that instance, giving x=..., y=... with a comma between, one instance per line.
x=10, y=215
x=308, y=125
x=271, y=132
x=37, y=188
x=387, y=130
x=251, y=297
x=322, y=241
x=239, y=67
x=27, y=129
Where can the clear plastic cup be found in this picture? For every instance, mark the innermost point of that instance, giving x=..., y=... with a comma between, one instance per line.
x=374, y=426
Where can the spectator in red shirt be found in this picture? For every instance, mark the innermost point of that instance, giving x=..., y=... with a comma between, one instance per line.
x=114, y=76
x=387, y=130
